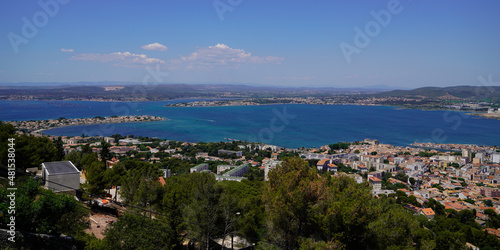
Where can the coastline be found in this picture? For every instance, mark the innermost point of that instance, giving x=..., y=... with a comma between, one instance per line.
x=397, y=107
x=37, y=126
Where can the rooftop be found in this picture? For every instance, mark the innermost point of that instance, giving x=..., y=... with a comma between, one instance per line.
x=60, y=167
x=428, y=211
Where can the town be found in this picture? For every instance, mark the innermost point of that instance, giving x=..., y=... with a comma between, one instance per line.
x=426, y=179
x=35, y=127
x=483, y=109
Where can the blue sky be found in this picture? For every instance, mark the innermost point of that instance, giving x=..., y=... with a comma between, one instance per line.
x=278, y=43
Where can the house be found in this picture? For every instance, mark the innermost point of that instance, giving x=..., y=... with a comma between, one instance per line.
x=122, y=149
x=322, y=164
x=332, y=167
x=428, y=212
x=362, y=168
x=375, y=182
x=493, y=231
x=60, y=176
x=412, y=208
x=110, y=140
x=161, y=180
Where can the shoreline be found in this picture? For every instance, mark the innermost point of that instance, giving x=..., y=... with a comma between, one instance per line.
x=38, y=126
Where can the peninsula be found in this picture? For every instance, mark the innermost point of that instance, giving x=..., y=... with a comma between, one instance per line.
x=36, y=126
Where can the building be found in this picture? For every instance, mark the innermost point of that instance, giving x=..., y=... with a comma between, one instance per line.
x=442, y=165
x=362, y=168
x=495, y=158
x=235, y=173
x=467, y=153
x=122, y=149
x=230, y=152
x=229, y=178
x=222, y=168
x=110, y=140
x=412, y=208
x=60, y=176
x=269, y=166
x=129, y=141
x=198, y=168
x=375, y=182
x=490, y=192
x=428, y=212
x=238, y=171
x=372, y=142
x=322, y=164
x=332, y=167
x=166, y=173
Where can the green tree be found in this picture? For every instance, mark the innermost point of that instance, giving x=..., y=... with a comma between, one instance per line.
x=43, y=211
x=395, y=227
x=133, y=231
x=290, y=194
x=95, y=177
x=344, y=212
x=203, y=209
x=105, y=153
x=59, y=150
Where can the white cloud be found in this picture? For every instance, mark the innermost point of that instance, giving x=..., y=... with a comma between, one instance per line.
x=67, y=50
x=222, y=55
x=121, y=58
x=155, y=46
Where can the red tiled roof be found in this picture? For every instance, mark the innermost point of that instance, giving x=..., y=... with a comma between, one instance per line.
x=162, y=181
x=428, y=211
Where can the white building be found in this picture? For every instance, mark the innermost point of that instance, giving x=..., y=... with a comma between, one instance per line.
x=495, y=158
x=269, y=166
x=198, y=168
x=60, y=176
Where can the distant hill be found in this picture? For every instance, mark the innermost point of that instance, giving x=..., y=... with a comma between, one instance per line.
x=164, y=91
x=455, y=92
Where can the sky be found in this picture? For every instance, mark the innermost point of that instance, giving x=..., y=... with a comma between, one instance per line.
x=406, y=44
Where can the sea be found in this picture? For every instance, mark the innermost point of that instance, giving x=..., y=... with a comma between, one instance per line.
x=285, y=125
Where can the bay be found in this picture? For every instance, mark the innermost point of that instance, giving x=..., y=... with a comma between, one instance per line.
x=291, y=125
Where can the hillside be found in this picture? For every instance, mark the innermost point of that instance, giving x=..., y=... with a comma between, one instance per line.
x=164, y=92
x=455, y=92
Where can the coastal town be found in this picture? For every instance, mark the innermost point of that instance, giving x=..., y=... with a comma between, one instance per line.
x=426, y=178
x=482, y=109
x=456, y=175
x=35, y=127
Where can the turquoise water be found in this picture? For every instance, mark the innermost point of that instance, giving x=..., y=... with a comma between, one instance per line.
x=302, y=125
